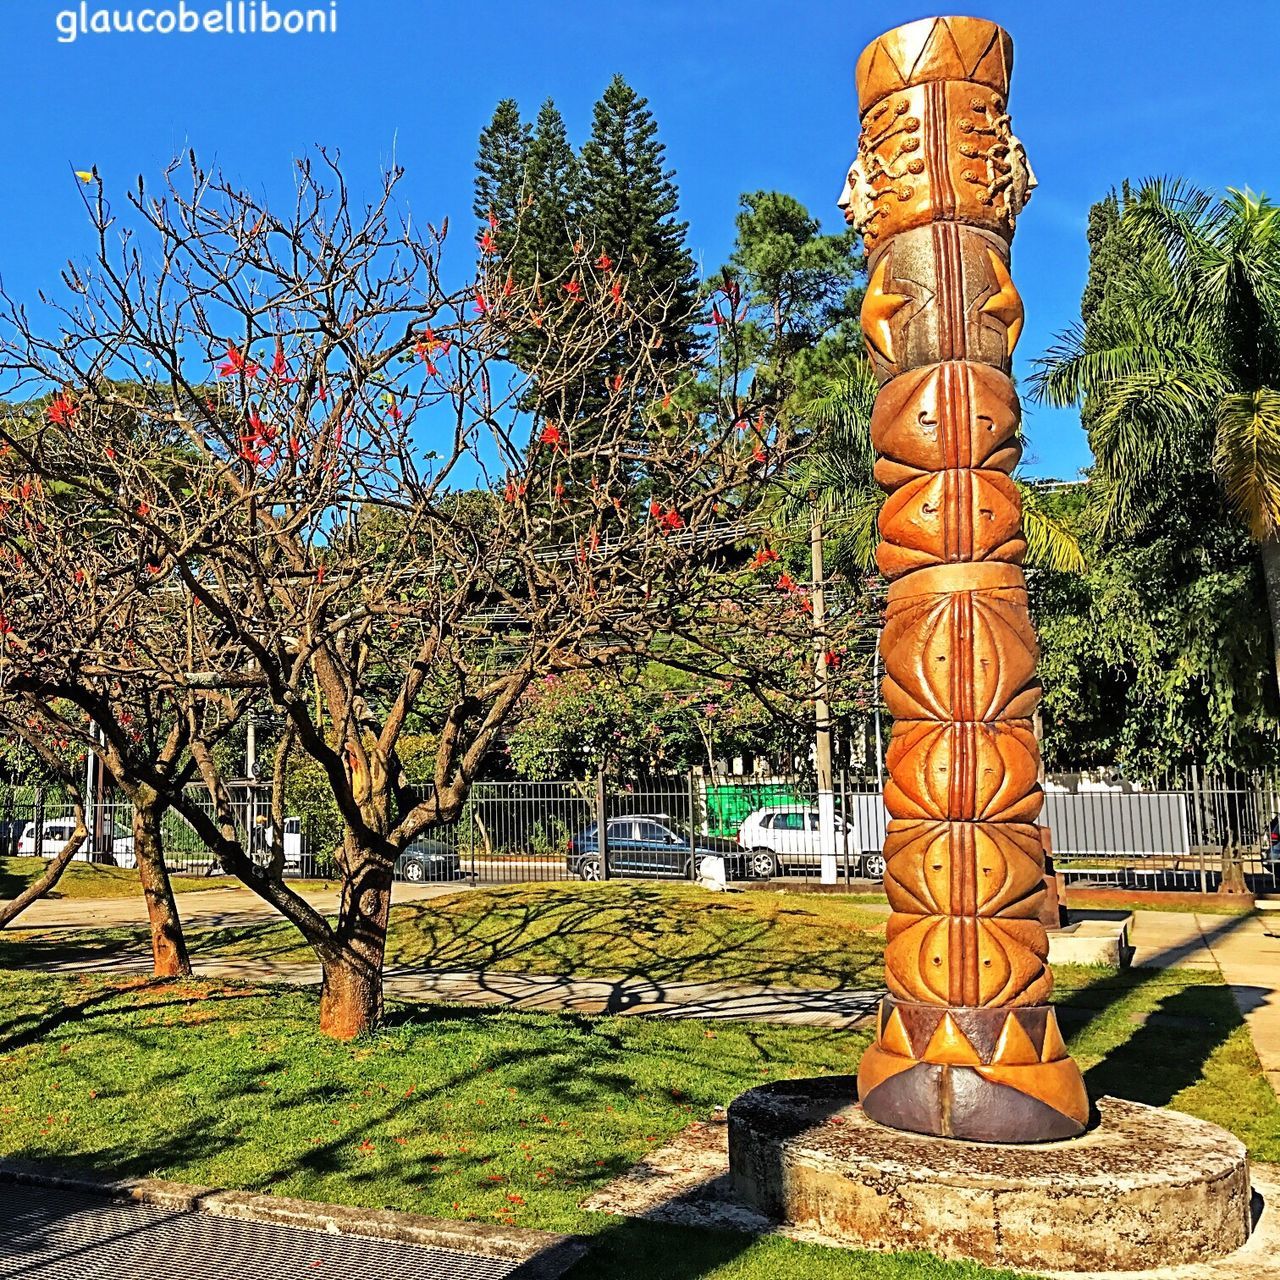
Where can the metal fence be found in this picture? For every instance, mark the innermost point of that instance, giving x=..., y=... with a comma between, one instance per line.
x=1183, y=832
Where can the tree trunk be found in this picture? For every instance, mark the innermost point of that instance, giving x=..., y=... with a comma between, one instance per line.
x=168, y=943
x=351, y=993
x=1269, y=553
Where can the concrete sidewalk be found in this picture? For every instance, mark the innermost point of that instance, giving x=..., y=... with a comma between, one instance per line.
x=548, y=993
x=223, y=904
x=1239, y=948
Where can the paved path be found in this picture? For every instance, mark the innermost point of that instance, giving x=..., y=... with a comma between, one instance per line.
x=1243, y=949
x=66, y=1235
x=548, y=993
x=215, y=907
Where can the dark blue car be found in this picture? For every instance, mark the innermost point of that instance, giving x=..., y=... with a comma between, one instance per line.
x=650, y=844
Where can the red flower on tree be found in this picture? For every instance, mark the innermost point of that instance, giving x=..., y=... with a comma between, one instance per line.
x=574, y=290
x=256, y=440
x=551, y=434
x=604, y=262
x=236, y=363
x=487, y=243
x=763, y=557
x=668, y=518
x=280, y=370
x=61, y=412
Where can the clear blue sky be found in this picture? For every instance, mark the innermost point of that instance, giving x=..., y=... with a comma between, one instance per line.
x=748, y=94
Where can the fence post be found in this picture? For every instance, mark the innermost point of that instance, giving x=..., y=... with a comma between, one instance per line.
x=38, y=814
x=471, y=810
x=602, y=824
x=693, y=824
x=1195, y=809
x=844, y=817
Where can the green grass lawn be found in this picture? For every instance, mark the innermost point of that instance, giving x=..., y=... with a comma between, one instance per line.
x=664, y=932
x=473, y=1113
x=457, y=1113
x=89, y=880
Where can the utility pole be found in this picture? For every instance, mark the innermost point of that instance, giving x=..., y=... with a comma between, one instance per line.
x=875, y=686
x=91, y=798
x=251, y=773
x=822, y=712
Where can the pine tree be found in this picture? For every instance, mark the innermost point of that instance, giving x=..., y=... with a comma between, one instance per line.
x=630, y=207
x=501, y=186
x=555, y=191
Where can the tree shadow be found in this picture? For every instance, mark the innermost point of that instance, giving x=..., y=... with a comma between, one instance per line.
x=1173, y=1040
x=638, y=931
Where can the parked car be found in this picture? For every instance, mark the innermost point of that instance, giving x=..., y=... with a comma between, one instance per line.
x=55, y=832
x=1271, y=842
x=11, y=830
x=786, y=838
x=649, y=844
x=428, y=860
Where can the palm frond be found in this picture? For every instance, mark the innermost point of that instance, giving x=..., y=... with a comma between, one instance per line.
x=1050, y=543
x=1247, y=457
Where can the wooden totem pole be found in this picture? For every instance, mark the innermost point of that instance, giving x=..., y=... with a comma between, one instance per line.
x=967, y=1044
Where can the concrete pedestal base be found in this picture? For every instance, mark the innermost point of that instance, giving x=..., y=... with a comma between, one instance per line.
x=1142, y=1187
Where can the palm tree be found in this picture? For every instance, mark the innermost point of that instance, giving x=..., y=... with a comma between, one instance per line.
x=834, y=482
x=1184, y=362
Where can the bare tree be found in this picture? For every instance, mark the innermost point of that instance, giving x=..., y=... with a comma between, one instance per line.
x=91, y=631
x=17, y=722
x=360, y=511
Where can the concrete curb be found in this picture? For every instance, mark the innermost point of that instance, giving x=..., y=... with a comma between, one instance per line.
x=544, y=1255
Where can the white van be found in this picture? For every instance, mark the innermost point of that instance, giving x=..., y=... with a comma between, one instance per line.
x=54, y=834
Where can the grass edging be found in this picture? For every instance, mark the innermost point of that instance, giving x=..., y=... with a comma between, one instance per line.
x=546, y=1255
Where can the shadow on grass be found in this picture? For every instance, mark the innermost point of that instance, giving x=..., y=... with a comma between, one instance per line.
x=589, y=1061
x=71, y=948
x=1147, y=1046
x=633, y=931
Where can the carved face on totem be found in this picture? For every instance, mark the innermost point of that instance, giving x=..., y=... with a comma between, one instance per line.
x=1022, y=177
x=856, y=198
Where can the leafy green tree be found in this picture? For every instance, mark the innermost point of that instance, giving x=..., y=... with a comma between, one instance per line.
x=801, y=293
x=1176, y=361
x=1159, y=653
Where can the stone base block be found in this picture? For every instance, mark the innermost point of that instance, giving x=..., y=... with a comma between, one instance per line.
x=1143, y=1186
x=1094, y=937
